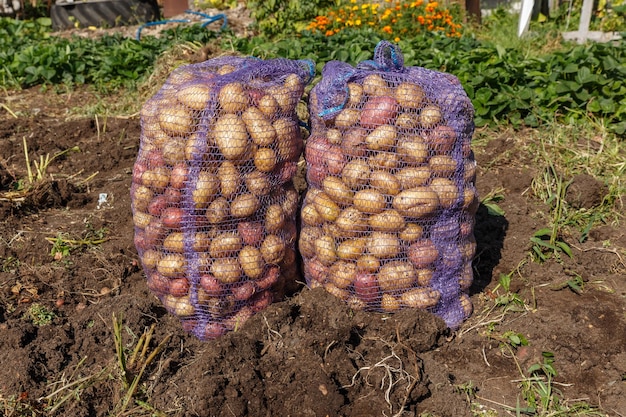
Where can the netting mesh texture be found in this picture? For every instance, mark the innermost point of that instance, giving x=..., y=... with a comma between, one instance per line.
x=388, y=218
x=213, y=204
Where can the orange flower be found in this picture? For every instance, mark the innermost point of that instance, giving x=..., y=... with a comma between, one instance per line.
x=387, y=29
x=329, y=33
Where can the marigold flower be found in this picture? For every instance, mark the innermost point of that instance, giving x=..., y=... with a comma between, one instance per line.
x=329, y=33
x=396, y=39
x=387, y=29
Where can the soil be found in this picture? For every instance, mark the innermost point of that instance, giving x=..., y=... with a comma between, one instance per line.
x=307, y=355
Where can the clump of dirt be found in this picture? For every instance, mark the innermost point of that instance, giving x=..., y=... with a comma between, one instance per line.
x=585, y=191
x=308, y=354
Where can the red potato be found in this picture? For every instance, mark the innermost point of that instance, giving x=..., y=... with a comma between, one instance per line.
x=423, y=253
x=366, y=287
x=442, y=139
x=157, y=205
x=260, y=301
x=269, y=278
x=179, y=287
x=139, y=239
x=211, y=285
x=172, y=217
x=244, y=291
x=353, y=143
x=316, y=271
x=378, y=111
x=252, y=233
x=213, y=330
x=158, y=284
x=172, y=196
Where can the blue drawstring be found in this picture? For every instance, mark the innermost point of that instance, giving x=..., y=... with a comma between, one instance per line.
x=205, y=22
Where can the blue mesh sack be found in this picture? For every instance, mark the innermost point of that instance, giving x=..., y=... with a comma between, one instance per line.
x=212, y=195
x=388, y=218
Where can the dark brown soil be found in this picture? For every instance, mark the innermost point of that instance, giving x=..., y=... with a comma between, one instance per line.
x=308, y=355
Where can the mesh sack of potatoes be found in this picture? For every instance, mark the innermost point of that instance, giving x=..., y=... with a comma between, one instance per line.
x=213, y=201
x=388, y=218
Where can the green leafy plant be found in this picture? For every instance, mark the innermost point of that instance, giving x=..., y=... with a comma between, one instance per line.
x=285, y=17
x=491, y=200
x=40, y=315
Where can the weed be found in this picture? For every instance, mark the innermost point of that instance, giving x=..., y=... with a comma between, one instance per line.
x=40, y=315
x=133, y=366
x=491, y=200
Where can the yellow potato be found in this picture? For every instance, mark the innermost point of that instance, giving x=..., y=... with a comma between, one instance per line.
x=337, y=190
x=369, y=201
x=424, y=297
x=351, y=249
x=259, y=128
x=396, y=275
x=387, y=221
x=383, y=245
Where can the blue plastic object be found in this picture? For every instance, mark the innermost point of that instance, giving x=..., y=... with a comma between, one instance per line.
x=207, y=19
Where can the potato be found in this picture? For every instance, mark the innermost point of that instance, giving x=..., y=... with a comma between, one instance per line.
x=384, y=160
x=351, y=221
x=409, y=95
x=179, y=175
x=172, y=265
x=347, y=117
x=174, y=151
x=470, y=171
x=353, y=143
x=294, y=83
x=258, y=183
x=446, y=190
x=231, y=137
x=141, y=198
x=425, y=277
x=290, y=201
x=150, y=258
x=175, y=120
x=396, y=275
x=384, y=182
x=230, y=179
x=274, y=218
x=355, y=173
x=285, y=98
x=378, y=111
x=310, y=216
x=141, y=219
x=269, y=278
x=265, y=159
x=196, y=95
x=179, y=306
x=337, y=190
x=268, y=105
x=273, y=249
x=387, y=221
x=367, y=264
x=416, y=202
x=315, y=271
x=334, y=136
x=259, y=128
x=289, y=146
x=306, y=241
x=355, y=94
x=351, y=249
x=413, y=150
x=326, y=207
x=425, y=297
x=466, y=305
x=342, y=274
x=383, y=138
x=467, y=277
x=442, y=166
x=407, y=121
x=217, y=211
x=375, y=85
x=251, y=232
x=195, y=145
x=174, y=242
x=251, y=261
x=244, y=205
x=340, y=293
x=325, y=249
x=411, y=232
x=226, y=69
x=207, y=188
x=383, y=245
x=422, y=253
x=226, y=270
x=156, y=178
x=442, y=139
x=412, y=177
x=286, y=129
x=179, y=287
x=158, y=284
x=389, y=303
x=430, y=116
x=369, y=201
x=225, y=244
x=233, y=98
x=172, y=217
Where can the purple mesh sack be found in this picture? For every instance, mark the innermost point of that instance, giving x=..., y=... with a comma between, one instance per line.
x=388, y=217
x=212, y=196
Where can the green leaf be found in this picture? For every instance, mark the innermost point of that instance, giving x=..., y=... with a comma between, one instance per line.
x=545, y=232
x=565, y=248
